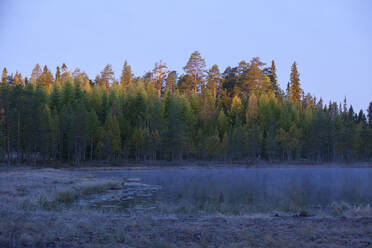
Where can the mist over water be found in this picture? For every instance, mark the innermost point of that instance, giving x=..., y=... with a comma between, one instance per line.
x=245, y=191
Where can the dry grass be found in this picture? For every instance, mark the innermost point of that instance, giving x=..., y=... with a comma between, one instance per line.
x=46, y=216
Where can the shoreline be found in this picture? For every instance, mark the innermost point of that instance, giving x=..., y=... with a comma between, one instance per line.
x=158, y=165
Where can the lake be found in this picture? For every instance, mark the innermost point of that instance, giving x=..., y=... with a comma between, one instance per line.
x=239, y=190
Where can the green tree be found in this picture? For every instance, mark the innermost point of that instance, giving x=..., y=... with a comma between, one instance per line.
x=93, y=127
x=175, y=129
x=4, y=76
x=295, y=91
x=111, y=138
x=252, y=80
x=214, y=80
x=274, y=80
x=58, y=77
x=126, y=76
x=369, y=114
x=171, y=82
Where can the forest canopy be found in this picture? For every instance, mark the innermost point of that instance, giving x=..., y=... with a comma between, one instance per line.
x=201, y=114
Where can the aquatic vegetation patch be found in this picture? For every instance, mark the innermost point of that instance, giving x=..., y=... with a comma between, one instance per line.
x=67, y=197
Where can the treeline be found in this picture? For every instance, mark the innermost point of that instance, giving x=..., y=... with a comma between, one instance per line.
x=240, y=114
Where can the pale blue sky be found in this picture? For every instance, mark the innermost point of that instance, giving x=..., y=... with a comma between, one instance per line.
x=330, y=40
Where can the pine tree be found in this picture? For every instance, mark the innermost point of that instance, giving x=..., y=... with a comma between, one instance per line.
x=252, y=79
x=107, y=75
x=159, y=76
x=18, y=80
x=214, y=81
x=46, y=79
x=66, y=75
x=295, y=91
x=185, y=84
x=242, y=68
x=36, y=73
x=76, y=122
x=81, y=78
x=196, y=68
x=171, y=82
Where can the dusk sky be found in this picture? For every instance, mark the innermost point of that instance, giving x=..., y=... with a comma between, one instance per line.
x=330, y=40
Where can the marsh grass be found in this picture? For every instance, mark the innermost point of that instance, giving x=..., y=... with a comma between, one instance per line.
x=68, y=197
x=345, y=209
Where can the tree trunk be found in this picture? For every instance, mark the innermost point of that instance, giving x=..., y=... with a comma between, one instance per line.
x=8, y=136
x=19, y=138
x=91, y=148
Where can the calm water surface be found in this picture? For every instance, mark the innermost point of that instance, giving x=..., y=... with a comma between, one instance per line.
x=240, y=190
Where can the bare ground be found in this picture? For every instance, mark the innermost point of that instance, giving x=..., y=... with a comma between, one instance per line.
x=26, y=222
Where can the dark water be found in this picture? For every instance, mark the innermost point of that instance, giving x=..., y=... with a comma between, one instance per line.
x=241, y=191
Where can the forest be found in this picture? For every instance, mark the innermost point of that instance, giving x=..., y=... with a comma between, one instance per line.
x=240, y=114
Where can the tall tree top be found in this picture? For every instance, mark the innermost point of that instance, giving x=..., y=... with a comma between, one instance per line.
x=171, y=82
x=214, y=80
x=274, y=79
x=126, y=75
x=4, y=76
x=253, y=77
x=369, y=114
x=295, y=90
x=107, y=75
x=36, y=73
x=159, y=73
x=46, y=78
x=58, y=74
x=196, y=67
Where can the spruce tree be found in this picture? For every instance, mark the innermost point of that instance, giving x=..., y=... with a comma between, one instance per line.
x=75, y=123
x=4, y=76
x=295, y=91
x=274, y=80
x=126, y=76
x=58, y=77
x=369, y=113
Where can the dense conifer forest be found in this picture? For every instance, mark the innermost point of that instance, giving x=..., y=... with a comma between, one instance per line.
x=203, y=114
